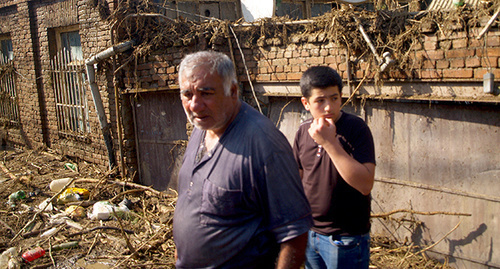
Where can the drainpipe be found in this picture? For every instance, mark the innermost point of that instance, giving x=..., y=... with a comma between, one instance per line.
x=96, y=95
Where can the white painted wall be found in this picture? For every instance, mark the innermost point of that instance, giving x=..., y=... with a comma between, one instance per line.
x=256, y=9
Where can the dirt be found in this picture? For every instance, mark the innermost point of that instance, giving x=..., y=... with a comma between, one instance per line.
x=101, y=243
x=142, y=238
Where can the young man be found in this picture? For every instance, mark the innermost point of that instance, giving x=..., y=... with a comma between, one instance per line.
x=336, y=158
x=241, y=203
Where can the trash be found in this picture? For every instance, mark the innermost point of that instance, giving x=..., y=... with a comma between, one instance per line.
x=7, y=256
x=71, y=167
x=33, y=254
x=49, y=232
x=46, y=204
x=73, y=195
x=75, y=211
x=64, y=245
x=73, y=224
x=57, y=184
x=13, y=264
x=16, y=196
x=103, y=210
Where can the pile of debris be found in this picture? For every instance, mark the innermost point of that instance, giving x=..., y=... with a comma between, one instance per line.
x=57, y=212
x=61, y=213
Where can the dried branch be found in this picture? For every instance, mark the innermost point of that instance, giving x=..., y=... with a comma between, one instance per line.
x=383, y=215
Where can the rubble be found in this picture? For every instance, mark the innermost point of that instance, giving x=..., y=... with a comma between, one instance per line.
x=141, y=238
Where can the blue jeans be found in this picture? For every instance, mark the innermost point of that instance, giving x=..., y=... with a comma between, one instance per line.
x=336, y=251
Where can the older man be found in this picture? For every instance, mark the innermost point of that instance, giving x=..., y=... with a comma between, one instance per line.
x=241, y=203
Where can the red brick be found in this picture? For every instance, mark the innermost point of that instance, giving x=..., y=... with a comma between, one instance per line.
x=278, y=76
x=460, y=53
x=315, y=60
x=472, y=62
x=428, y=64
x=330, y=59
x=489, y=62
x=430, y=45
x=492, y=41
x=457, y=63
x=493, y=51
x=459, y=43
x=295, y=68
x=441, y=64
x=479, y=73
x=296, y=61
x=458, y=73
x=431, y=74
x=293, y=76
x=263, y=77
x=434, y=54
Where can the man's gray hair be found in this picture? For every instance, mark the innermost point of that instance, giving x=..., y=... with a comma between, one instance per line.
x=216, y=62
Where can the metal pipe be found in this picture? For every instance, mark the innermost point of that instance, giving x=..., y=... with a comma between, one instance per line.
x=96, y=95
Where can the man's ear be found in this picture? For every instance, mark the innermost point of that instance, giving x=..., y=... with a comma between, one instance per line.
x=305, y=103
x=234, y=90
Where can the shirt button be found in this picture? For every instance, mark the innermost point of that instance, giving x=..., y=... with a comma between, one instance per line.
x=191, y=184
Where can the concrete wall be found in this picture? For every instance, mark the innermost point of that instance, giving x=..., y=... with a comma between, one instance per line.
x=438, y=165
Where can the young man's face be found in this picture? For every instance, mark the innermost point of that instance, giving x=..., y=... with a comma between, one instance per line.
x=324, y=103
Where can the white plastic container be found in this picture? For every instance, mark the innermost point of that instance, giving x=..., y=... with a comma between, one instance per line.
x=49, y=232
x=104, y=210
x=57, y=184
x=6, y=256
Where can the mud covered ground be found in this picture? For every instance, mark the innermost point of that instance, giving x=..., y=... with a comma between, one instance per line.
x=140, y=239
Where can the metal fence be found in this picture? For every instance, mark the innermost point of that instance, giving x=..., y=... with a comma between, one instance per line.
x=9, y=111
x=68, y=78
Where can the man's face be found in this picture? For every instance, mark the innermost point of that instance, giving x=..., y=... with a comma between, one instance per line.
x=324, y=103
x=204, y=101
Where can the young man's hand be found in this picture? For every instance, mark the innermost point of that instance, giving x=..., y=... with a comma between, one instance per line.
x=323, y=130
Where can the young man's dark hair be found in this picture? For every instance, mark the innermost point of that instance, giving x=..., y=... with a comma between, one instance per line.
x=319, y=77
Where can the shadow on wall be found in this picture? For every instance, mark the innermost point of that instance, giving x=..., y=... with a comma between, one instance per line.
x=471, y=237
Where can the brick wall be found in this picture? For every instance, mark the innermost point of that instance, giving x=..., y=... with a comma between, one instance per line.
x=29, y=24
x=437, y=57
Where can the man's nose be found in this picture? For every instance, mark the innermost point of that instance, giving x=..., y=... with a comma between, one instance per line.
x=196, y=103
x=328, y=106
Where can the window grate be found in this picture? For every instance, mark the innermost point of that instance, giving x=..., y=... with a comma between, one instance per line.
x=68, y=78
x=9, y=111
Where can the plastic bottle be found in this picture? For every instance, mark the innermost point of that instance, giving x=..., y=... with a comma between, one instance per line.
x=73, y=195
x=57, y=184
x=33, y=254
x=49, y=232
x=65, y=245
x=18, y=195
x=71, y=167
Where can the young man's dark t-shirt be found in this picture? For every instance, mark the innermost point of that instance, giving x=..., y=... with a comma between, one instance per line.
x=337, y=208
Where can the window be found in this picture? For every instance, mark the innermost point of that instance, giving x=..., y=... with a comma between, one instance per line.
x=6, y=51
x=303, y=9
x=68, y=78
x=9, y=112
x=192, y=9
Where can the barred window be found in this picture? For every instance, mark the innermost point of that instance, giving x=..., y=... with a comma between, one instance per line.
x=9, y=111
x=68, y=78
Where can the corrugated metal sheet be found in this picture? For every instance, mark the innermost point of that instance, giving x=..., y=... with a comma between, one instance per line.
x=448, y=4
